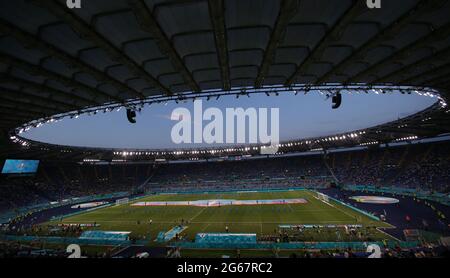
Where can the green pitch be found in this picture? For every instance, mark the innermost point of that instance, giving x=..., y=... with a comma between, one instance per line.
x=260, y=219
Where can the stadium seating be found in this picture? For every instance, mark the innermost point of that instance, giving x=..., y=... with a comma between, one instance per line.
x=421, y=167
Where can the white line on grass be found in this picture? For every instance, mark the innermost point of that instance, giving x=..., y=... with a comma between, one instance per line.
x=200, y=212
x=378, y=229
x=335, y=207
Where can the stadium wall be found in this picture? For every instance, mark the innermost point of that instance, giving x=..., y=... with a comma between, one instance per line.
x=66, y=240
x=194, y=245
x=296, y=245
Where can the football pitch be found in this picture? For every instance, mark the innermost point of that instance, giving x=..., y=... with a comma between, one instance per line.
x=262, y=218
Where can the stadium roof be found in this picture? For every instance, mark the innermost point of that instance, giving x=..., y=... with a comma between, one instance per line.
x=54, y=59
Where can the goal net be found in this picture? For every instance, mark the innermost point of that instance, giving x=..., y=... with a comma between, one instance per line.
x=322, y=197
x=122, y=201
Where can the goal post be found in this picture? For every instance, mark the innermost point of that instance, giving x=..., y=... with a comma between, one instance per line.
x=122, y=201
x=323, y=197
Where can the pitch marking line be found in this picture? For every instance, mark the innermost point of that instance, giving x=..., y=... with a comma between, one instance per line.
x=378, y=229
x=197, y=214
x=391, y=226
x=335, y=207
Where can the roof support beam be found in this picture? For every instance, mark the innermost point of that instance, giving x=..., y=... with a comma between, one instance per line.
x=399, y=74
x=40, y=71
x=21, y=113
x=149, y=24
x=391, y=31
x=445, y=69
x=30, y=41
x=7, y=124
x=288, y=9
x=89, y=33
x=17, y=108
x=440, y=79
x=444, y=83
x=334, y=34
x=51, y=107
x=78, y=101
x=435, y=36
x=13, y=117
x=217, y=15
x=26, y=106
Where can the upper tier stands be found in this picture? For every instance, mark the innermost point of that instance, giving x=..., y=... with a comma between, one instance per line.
x=425, y=167
x=245, y=174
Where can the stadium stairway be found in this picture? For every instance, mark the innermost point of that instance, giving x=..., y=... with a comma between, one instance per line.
x=169, y=235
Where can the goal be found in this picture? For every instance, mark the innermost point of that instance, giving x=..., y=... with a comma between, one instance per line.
x=122, y=201
x=322, y=197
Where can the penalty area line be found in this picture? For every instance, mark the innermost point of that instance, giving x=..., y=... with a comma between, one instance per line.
x=335, y=207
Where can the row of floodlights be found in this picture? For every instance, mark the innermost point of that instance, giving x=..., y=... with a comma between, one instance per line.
x=184, y=152
x=348, y=136
x=139, y=105
x=407, y=138
x=343, y=137
x=370, y=143
x=17, y=140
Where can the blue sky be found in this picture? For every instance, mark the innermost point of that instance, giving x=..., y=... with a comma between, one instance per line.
x=301, y=116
